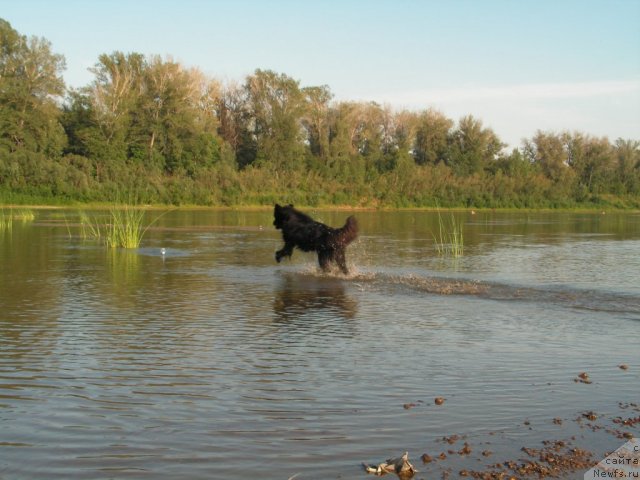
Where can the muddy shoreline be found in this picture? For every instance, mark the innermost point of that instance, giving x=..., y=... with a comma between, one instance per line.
x=568, y=455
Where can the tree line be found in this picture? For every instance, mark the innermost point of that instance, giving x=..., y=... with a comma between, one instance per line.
x=149, y=129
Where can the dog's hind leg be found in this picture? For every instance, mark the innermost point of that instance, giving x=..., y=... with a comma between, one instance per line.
x=341, y=261
x=285, y=251
x=324, y=258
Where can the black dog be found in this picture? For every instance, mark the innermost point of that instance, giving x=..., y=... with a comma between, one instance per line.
x=300, y=230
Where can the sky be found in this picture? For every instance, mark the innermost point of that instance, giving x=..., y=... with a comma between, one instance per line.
x=517, y=65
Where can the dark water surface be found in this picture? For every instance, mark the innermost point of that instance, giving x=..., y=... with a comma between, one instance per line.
x=212, y=361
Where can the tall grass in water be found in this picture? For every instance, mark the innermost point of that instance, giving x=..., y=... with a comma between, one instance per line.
x=23, y=215
x=6, y=221
x=89, y=227
x=450, y=241
x=125, y=229
x=8, y=218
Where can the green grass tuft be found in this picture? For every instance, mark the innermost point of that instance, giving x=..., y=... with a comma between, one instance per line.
x=450, y=241
x=125, y=229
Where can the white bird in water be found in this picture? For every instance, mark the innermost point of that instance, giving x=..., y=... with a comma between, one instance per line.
x=163, y=251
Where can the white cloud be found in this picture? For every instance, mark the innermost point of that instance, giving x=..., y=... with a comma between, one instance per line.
x=536, y=91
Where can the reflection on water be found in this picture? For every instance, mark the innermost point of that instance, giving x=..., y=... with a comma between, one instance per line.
x=211, y=361
x=304, y=294
x=123, y=268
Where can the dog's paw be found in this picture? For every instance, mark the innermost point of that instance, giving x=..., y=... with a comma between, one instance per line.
x=278, y=257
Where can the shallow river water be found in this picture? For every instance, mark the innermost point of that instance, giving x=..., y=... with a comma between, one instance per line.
x=211, y=360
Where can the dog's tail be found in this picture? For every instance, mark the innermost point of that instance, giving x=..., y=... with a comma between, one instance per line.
x=347, y=234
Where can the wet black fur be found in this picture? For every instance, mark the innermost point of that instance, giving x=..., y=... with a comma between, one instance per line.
x=300, y=230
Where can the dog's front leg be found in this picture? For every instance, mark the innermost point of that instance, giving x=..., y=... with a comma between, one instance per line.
x=285, y=251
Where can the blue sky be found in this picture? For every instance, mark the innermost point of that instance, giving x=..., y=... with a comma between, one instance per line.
x=518, y=65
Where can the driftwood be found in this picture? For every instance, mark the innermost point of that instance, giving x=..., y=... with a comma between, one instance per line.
x=399, y=465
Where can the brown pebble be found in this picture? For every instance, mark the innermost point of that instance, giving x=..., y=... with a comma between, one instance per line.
x=466, y=450
x=624, y=366
x=583, y=377
x=439, y=400
x=486, y=453
x=590, y=415
x=442, y=456
x=407, y=406
x=426, y=458
x=557, y=421
x=452, y=439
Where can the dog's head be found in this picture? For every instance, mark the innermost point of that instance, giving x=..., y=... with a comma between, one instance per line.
x=281, y=215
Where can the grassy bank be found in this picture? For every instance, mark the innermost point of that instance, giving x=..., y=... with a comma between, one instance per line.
x=303, y=198
x=326, y=207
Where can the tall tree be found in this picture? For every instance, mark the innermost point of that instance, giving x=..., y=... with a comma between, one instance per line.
x=472, y=147
x=236, y=123
x=112, y=98
x=316, y=119
x=627, y=156
x=166, y=113
x=592, y=160
x=548, y=152
x=432, y=133
x=276, y=104
x=30, y=86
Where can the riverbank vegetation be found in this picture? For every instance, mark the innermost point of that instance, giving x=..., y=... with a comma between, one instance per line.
x=148, y=128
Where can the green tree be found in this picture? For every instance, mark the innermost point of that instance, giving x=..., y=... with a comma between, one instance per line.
x=343, y=127
x=276, y=104
x=315, y=120
x=30, y=86
x=627, y=156
x=592, y=160
x=111, y=100
x=548, y=152
x=471, y=148
x=403, y=130
x=236, y=124
x=396, y=131
x=174, y=120
x=431, y=141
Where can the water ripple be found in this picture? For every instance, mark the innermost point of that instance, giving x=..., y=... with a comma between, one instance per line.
x=212, y=361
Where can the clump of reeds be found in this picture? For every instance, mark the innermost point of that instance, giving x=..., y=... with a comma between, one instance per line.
x=450, y=240
x=6, y=221
x=23, y=215
x=125, y=229
x=89, y=226
x=8, y=218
